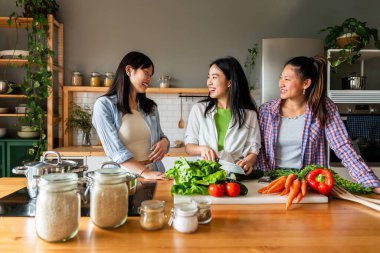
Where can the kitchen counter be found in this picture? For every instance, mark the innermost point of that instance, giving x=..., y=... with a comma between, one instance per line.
x=338, y=226
x=98, y=151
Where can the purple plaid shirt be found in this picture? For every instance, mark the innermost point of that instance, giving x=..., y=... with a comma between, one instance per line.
x=313, y=142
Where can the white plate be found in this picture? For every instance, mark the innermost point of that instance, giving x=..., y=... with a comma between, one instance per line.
x=12, y=54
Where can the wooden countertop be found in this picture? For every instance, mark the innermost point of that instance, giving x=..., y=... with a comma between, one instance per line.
x=338, y=226
x=98, y=151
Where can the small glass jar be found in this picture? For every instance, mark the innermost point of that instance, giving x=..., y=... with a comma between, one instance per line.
x=95, y=79
x=108, y=79
x=164, y=81
x=57, y=207
x=152, y=214
x=109, y=198
x=184, y=217
x=76, y=78
x=204, y=209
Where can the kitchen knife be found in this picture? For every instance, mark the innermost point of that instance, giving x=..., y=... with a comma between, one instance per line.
x=231, y=167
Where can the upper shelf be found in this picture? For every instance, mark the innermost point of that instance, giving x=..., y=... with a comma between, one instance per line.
x=365, y=53
x=149, y=90
x=20, y=22
x=22, y=62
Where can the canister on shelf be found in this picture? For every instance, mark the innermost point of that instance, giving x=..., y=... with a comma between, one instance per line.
x=108, y=79
x=152, y=214
x=76, y=78
x=95, y=79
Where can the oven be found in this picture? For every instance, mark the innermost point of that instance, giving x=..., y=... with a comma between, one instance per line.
x=363, y=126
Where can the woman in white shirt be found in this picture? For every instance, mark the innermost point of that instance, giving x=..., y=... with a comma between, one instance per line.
x=127, y=122
x=225, y=122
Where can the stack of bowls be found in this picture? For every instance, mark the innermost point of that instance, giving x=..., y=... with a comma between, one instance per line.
x=3, y=132
x=27, y=132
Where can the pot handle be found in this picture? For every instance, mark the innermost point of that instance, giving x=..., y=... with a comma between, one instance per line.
x=20, y=170
x=110, y=163
x=44, y=159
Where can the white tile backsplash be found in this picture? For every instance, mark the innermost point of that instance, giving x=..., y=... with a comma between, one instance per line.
x=168, y=106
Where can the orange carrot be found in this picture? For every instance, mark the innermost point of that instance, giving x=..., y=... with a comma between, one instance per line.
x=284, y=192
x=294, y=189
x=304, y=187
x=261, y=190
x=277, y=187
x=299, y=197
x=289, y=180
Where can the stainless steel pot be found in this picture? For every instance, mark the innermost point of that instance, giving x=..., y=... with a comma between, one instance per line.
x=354, y=82
x=34, y=170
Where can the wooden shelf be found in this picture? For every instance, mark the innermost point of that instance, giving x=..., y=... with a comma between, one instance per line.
x=12, y=96
x=149, y=90
x=23, y=62
x=16, y=23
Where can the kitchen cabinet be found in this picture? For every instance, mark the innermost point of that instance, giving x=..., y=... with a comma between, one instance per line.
x=54, y=123
x=69, y=92
x=367, y=65
x=14, y=153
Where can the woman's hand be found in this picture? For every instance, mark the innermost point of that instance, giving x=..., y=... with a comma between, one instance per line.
x=150, y=174
x=158, y=150
x=376, y=190
x=208, y=153
x=247, y=163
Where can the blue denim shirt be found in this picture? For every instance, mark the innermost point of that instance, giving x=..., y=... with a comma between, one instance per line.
x=106, y=119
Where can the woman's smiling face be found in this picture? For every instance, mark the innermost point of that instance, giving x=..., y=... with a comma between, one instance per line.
x=290, y=83
x=140, y=78
x=217, y=83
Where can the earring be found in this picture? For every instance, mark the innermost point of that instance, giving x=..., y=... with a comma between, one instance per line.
x=304, y=91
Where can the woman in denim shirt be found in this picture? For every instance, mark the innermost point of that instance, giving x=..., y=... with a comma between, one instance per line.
x=127, y=122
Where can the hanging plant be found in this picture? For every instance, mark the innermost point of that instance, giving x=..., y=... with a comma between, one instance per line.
x=38, y=78
x=250, y=63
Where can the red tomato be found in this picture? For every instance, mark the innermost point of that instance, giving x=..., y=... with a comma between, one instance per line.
x=232, y=189
x=216, y=190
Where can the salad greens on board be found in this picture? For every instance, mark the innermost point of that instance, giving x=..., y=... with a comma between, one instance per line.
x=194, y=177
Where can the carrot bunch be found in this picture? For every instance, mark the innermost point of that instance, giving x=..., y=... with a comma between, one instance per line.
x=291, y=185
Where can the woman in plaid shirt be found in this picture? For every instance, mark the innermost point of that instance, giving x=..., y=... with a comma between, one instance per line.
x=295, y=126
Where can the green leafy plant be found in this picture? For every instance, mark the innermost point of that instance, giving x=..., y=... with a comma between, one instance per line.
x=357, y=34
x=80, y=119
x=250, y=62
x=38, y=78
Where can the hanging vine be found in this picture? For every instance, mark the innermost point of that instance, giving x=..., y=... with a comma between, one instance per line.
x=38, y=78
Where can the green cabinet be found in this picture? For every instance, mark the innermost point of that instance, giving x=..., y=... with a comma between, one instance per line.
x=13, y=152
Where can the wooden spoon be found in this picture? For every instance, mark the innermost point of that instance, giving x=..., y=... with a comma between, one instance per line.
x=181, y=123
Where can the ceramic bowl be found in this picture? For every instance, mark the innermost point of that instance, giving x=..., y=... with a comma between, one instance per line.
x=20, y=109
x=3, y=132
x=27, y=129
x=4, y=110
x=27, y=135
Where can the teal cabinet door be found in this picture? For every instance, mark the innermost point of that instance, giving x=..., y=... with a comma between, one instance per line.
x=17, y=155
x=2, y=159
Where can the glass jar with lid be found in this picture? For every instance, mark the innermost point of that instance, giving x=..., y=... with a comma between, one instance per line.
x=152, y=214
x=95, y=79
x=108, y=79
x=76, y=78
x=57, y=207
x=204, y=209
x=109, y=197
x=184, y=217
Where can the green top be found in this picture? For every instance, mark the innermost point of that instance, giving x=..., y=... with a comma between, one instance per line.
x=222, y=121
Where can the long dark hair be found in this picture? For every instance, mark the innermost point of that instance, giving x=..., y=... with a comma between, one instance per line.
x=239, y=95
x=121, y=85
x=313, y=68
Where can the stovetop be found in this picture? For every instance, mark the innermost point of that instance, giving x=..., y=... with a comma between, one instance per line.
x=19, y=204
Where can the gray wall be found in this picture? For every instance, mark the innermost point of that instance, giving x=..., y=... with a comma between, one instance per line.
x=183, y=36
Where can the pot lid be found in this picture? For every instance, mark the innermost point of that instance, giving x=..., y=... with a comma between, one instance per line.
x=59, y=163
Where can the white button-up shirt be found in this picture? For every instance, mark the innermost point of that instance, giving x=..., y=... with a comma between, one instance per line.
x=238, y=141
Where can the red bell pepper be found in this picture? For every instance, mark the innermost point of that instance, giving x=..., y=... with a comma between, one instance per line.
x=320, y=180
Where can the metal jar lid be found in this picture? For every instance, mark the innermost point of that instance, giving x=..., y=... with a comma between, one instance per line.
x=58, y=182
x=76, y=73
x=110, y=176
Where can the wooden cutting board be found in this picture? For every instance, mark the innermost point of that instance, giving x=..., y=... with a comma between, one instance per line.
x=253, y=197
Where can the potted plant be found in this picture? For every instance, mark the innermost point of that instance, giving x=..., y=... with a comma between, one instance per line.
x=250, y=63
x=37, y=81
x=351, y=36
x=80, y=119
